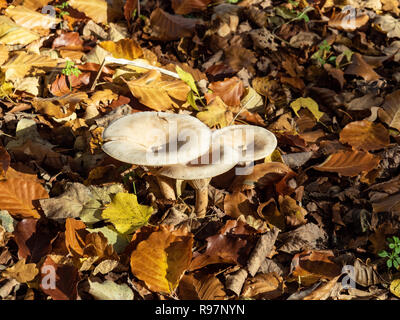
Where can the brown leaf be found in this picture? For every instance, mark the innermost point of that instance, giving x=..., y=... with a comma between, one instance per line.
x=263, y=174
x=323, y=292
x=161, y=259
x=63, y=84
x=75, y=234
x=129, y=8
x=310, y=266
x=237, y=204
x=34, y=239
x=263, y=286
x=188, y=6
x=69, y=41
x=238, y=57
x=388, y=204
x=230, y=245
x=4, y=162
x=345, y=21
x=349, y=163
x=230, y=91
x=18, y=193
x=59, y=281
x=167, y=26
x=293, y=213
x=391, y=110
x=360, y=68
x=200, y=286
x=365, y=135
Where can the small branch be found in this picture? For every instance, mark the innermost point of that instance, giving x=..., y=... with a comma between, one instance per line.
x=140, y=64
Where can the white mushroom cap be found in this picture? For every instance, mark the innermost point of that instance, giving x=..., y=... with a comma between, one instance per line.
x=219, y=159
x=156, y=138
x=252, y=142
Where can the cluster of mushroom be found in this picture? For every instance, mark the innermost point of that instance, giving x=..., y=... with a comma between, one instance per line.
x=181, y=147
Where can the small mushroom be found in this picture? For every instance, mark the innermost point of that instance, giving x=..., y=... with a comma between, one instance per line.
x=199, y=172
x=156, y=139
x=252, y=142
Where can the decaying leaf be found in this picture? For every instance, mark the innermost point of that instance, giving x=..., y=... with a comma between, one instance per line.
x=109, y=290
x=263, y=286
x=21, y=271
x=216, y=114
x=230, y=91
x=188, y=6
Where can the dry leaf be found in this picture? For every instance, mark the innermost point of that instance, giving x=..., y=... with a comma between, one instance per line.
x=230, y=91
x=18, y=193
x=365, y=135
x=162, y=258
x=263, y=286
x=157, y=94
x=347, y=22
x=98, y=10
x=31, y=19
x=201, y=287
x=125, y=48
x=188, y=6
x=360, y=68
x=11, y=33
x=167, y=26
x=391, y=110
x=349, y=163
x=216, y=114
x=21, y=272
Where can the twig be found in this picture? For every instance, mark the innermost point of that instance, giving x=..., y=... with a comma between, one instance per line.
x=98, y=75
x=140, y=64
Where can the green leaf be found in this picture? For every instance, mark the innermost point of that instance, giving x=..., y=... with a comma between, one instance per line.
x=126, y=214
x=192, y=100
x=389, y=263
x=188, y=79
x=383, y=254
x=395, y=264
x=391, y=245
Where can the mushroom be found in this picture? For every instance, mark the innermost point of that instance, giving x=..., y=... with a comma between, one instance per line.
x=252, y=142
x=156, y=139
x=199, y=172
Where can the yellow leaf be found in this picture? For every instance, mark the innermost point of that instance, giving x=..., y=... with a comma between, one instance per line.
x=309, y=104
x=162, y=258
x=124, y=48
x=157, y=94
x=126, y=214
x=11, y=33
x=21, y=272
x=30, y=19
x=274, y=157
x=19, y=65
x=215, y=114
x=98, y=10
x=395, y=287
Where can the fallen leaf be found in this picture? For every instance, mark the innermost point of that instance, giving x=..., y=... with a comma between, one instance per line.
x=130, y=7
x=166, y=27
x=99, y=10
x=126, y=214
x=31, y=19
x=390, y=112
x=69, y=41
x=75, y=234
x=215, y=114
x=395, y=287
x=11, y=33
x=365, y=135
x=263, y=286
x=59, y=281
x=389, y=25
x=125, y=48
x=188, y=6
x=230, y=91
x=109, y=290
x=309, y=104
x=157, y=94
x=200, y=286
x=18, y=193
x=311, y=266
x=349, y=163
x=360, y=68
x=4, y=162
x=161, y=259
x=348, y=21
x=21, y=272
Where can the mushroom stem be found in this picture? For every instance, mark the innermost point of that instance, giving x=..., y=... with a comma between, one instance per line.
x=201, y=188
x=166, y=187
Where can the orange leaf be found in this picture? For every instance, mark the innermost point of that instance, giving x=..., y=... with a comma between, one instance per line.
x=349, y=163
x=230, y=91
x=312, y=265
x=162, y=258
x=75, y=233
x=124, y=48
x=18, y=193
x=345, y=21
x=365, y=135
